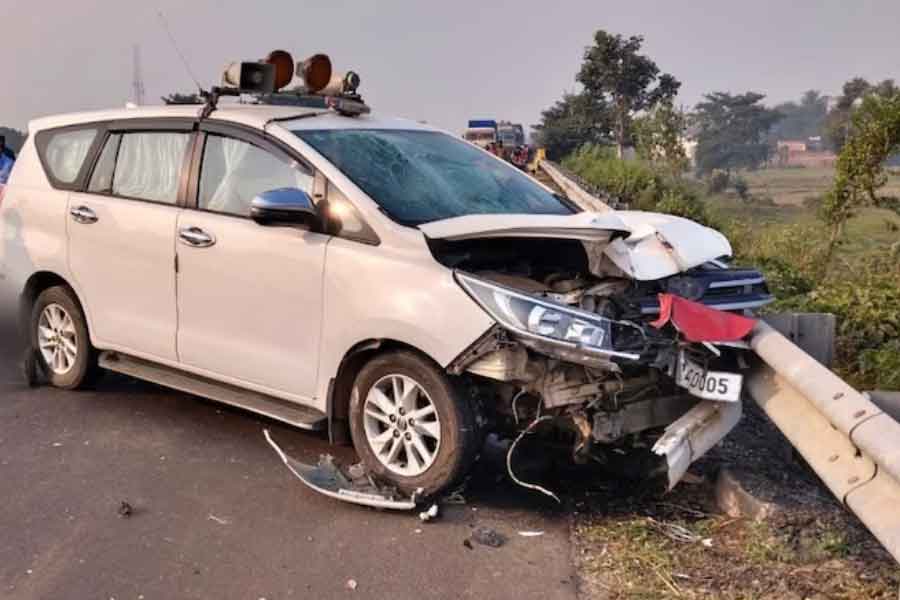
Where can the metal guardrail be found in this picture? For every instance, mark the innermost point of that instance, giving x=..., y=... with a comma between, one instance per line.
x=851, y=443
x=577, y=191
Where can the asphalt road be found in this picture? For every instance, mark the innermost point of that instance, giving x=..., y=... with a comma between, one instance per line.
x=217, y=515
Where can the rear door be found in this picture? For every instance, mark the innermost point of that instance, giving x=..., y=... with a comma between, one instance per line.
x=249, y=296
x=122, y=237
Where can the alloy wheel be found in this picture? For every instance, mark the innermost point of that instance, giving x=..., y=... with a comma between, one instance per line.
x=402, y=425
x=57, y=339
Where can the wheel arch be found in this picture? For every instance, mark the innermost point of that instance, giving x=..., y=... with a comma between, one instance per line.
x=340, y=386
x=37, y=283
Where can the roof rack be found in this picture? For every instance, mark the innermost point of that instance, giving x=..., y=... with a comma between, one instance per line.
x=348, y=106
x=263, y=79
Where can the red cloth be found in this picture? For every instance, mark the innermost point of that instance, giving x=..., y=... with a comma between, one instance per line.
x=700, y=323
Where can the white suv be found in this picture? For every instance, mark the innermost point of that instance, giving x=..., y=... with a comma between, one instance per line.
x=365, y=275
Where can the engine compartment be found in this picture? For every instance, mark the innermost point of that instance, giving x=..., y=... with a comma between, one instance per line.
x=604, y=406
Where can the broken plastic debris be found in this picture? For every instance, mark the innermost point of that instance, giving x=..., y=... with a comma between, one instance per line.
x=488, y=537
x=218, y=520
x=326, y=478
x=531, y=533
x=431, y=513
x=352, y=584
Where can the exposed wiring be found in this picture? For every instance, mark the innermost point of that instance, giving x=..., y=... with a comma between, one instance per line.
x=509, y=455
x=514, y=409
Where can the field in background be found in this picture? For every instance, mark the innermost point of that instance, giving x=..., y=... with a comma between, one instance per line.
x=872, y=230
x=791, y=187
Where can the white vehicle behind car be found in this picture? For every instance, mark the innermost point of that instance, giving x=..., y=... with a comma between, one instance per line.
x=369, y=276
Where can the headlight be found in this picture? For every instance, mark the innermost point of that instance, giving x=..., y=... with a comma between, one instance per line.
x=534, y=317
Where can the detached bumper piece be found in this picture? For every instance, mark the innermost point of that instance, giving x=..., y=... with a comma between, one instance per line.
x=326, y=478
x=692, y=435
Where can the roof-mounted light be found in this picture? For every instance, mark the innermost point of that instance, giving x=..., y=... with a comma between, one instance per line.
x=315, y=72
x=283, y=63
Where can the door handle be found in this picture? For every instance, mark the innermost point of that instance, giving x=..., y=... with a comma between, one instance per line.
x=83, y=215
x=196, y=237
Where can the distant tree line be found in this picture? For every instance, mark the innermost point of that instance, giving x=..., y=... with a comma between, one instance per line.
x=626, y=101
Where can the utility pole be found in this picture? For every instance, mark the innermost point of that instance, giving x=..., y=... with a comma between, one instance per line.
x=138, y=83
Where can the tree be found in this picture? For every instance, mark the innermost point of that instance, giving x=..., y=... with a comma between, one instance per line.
x=875, y=136
x=733, y=131
x=14, y=138
x=840, y=120
x=801, y=120
x=658, y=138
x=575, y=120
x=614, y=74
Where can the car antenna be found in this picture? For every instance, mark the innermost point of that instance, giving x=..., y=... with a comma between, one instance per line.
x=187, y=67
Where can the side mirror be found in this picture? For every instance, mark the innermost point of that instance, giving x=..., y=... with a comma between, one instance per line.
x=284, y=206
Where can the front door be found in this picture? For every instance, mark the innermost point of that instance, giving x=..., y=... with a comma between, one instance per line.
x=122, y=242
x=249, y=296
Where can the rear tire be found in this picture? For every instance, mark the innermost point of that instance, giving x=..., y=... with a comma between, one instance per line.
x=60, y=339
x=411, y=425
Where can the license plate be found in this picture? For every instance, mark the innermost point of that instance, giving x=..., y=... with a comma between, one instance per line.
x=709, y=385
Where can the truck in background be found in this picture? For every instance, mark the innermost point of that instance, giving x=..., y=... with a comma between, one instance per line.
x=511, y=134
x=481, y=132
x=503, y=138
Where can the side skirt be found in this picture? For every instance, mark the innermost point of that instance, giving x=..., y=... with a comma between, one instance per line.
x=299, y=416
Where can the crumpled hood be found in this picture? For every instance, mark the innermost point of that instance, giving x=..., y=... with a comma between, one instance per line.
x=586, y=226
x=663, y=245
x=644, y=245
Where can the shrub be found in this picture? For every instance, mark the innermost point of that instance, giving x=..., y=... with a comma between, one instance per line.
x=812, y=202
x=866, y=302
x=717, y=182
x=637, y=183
x=880, y=367
x=682, y=204
x=742, y=188
x=625, y=180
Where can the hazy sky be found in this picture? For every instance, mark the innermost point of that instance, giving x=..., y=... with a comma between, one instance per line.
x=440, y=61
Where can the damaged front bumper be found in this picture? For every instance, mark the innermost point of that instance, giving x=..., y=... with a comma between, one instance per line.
x=617, y=411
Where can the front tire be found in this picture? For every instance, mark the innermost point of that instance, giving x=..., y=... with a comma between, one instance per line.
x=411, y=425
x=60, y=339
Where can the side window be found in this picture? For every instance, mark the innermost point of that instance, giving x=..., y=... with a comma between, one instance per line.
x=148, y=166
x=64, y=153
x=234, y=172
x=102, y=178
